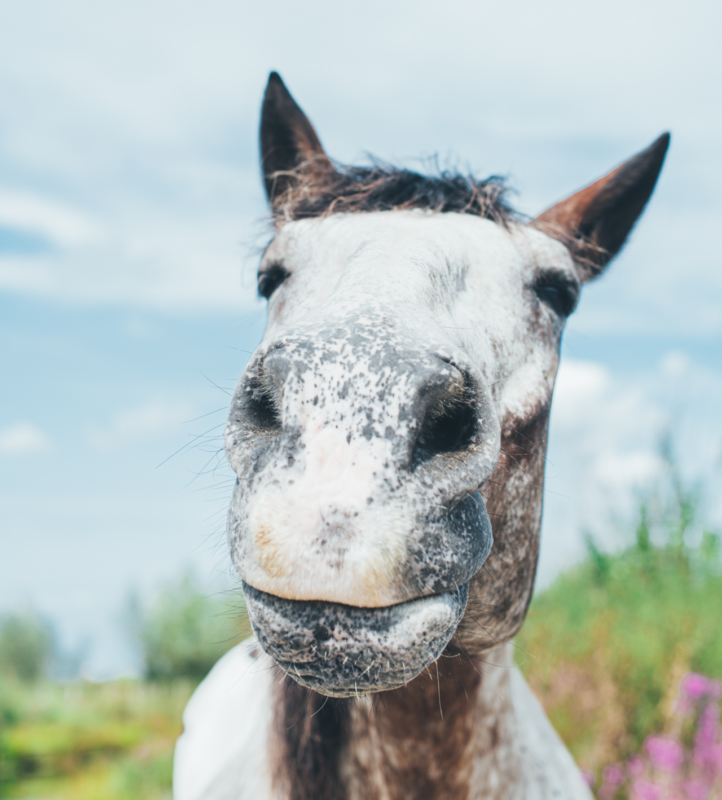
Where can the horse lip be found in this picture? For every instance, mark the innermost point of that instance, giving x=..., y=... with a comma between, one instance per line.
x=345, y=651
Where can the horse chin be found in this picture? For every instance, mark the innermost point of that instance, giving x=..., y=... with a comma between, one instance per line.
x=347, y=651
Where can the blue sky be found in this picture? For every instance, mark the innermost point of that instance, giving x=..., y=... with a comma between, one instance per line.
x=131, y=214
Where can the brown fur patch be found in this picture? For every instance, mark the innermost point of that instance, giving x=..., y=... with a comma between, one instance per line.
x=307, y=736
x=595, y=222
x=500, y=593
x=416, y=743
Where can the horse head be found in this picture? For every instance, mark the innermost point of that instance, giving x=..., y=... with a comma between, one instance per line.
x=389, y=433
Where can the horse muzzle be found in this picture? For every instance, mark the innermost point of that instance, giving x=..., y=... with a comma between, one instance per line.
x=346, y=651
x=357, y=519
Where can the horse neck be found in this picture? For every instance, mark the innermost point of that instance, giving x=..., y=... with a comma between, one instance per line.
x=449, y=733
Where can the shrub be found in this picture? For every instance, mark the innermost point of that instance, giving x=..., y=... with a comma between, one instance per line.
x=26, y=646
x=185, y=631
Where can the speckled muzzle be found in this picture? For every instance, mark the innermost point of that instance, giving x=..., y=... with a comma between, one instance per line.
x=360, y=450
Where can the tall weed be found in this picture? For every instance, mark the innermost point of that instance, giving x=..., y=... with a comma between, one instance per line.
x=605, y=647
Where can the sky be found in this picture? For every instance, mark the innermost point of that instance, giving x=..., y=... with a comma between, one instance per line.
x=132, y=215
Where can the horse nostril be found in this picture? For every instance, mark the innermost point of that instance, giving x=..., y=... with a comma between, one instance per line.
x=261, y=407
x=321, y=633
x=447, y=428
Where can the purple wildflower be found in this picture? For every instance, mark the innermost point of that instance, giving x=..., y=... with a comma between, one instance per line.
x=694, y=685
x=696, y=789
x=614, y=775
x=635, y=766
x=665, y=753
x=716, y=759
x=704, y=753
x=690, y=776
x=646, y=790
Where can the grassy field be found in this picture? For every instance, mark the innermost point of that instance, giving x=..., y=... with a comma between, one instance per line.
x=85, y=741
x=115, y=740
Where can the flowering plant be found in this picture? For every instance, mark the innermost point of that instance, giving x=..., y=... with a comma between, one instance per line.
x=666, y=769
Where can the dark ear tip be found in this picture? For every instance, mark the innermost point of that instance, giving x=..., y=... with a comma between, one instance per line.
x=658, y=148
x=662, y=143
x=651, y=159
x=276, y=92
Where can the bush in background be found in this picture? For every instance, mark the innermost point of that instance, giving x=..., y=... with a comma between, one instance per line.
x=115, y=740
x=26, y=647
x=185, y=630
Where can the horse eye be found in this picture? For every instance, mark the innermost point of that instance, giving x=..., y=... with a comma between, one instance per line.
x=270, y=279
x=558, y=296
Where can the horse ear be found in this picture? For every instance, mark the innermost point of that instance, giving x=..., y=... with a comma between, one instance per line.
x=598, y=219
x=287, y=139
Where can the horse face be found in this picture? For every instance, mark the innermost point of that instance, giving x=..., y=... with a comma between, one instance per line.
x=407, y=367
x=367, y=423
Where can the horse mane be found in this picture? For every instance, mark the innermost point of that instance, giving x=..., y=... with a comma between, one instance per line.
x=313, y=190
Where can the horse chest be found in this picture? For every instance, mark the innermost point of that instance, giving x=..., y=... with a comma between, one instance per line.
x=490, y=745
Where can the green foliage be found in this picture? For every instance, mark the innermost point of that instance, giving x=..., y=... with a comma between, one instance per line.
x=185, y=631
x=26, y=645
x=111, y=741
x=605, y=646
x=148, y=777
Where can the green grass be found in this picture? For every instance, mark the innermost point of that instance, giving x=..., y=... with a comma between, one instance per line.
x=111, y=741
x=605, y=646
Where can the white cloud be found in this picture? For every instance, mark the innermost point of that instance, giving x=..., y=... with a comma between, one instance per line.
x=143, y=422
x=147, y=257
x=23, y=438
x=579, y=385
x=56, y=221
x=624, y=471
x=159, y=278
x=604, y=448
x=675, y=364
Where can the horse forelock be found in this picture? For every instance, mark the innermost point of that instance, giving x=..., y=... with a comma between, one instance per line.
x=315, y=191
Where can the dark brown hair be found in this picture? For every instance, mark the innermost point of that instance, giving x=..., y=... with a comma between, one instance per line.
x=315, y=189
x=309, y=734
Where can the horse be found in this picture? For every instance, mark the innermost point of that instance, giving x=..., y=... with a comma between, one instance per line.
x=389, y=438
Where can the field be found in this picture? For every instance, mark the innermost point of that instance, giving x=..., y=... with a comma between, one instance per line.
x=85, y=741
